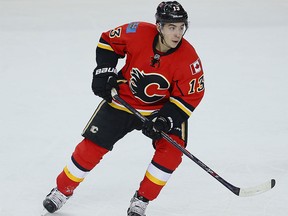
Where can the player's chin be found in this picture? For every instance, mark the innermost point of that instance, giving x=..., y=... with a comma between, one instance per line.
x=174, y=44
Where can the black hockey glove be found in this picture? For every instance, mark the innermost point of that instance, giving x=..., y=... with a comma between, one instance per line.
x=104, y=79
x=153, y=127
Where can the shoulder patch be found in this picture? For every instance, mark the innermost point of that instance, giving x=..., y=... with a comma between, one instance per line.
x=196, y=67
x=132, y=27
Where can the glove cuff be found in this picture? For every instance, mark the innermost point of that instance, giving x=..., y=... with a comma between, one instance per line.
x=175, y=113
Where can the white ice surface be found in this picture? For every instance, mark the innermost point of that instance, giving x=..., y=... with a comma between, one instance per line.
x=47, y=54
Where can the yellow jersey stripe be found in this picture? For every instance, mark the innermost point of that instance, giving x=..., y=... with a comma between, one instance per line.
x=181, y=106
x=120, y=107
x=105, y=46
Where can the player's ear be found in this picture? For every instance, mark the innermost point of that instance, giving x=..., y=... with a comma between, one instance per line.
x=158, y=26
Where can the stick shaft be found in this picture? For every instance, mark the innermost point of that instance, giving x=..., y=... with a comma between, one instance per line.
x=243, y=192
x=232, y=188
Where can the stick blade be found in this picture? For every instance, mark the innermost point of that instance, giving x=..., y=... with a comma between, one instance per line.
x=252, y=191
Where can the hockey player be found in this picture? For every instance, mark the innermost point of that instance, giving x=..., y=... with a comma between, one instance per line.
x=162, y=78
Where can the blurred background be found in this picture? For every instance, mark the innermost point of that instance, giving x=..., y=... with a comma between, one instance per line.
x=240, y=130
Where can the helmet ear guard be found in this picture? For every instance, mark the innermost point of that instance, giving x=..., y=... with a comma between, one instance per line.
x=171, y=12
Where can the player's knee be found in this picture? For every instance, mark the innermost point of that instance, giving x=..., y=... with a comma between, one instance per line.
x=167, y=155
x=88, y=154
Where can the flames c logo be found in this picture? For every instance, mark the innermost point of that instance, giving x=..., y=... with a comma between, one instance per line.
x=149, y=88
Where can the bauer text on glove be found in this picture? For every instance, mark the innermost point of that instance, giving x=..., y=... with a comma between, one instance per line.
x=104, y=79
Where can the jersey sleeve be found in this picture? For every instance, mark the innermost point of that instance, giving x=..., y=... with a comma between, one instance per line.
x=105, y=56
x=187, y=90
x=119, y=39
x=114, y=43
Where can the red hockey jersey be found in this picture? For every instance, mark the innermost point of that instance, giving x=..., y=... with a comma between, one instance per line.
x=152, y=79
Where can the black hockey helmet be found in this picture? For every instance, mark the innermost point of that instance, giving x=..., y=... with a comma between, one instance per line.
x=171, y=12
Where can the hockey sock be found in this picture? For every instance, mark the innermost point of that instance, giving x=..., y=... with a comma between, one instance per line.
x=84, y=158
x=166, y=159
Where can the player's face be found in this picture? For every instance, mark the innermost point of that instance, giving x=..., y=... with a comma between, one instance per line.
x=173, y=33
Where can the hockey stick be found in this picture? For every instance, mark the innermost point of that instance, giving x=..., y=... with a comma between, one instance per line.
x=242, y=192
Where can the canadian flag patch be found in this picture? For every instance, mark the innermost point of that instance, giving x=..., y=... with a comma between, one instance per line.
x=196, y=67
